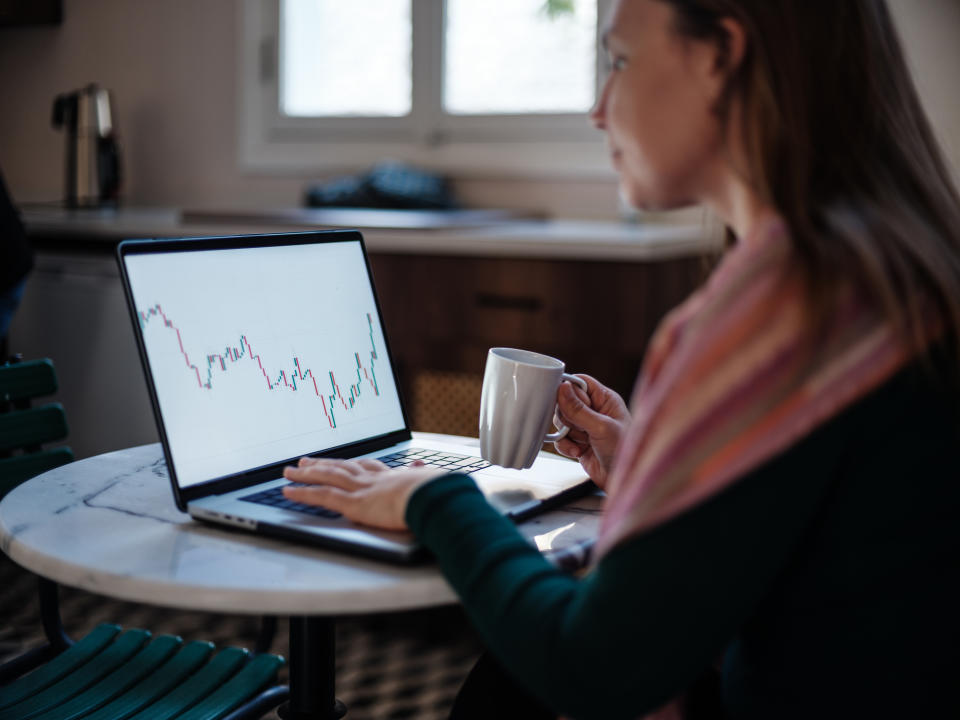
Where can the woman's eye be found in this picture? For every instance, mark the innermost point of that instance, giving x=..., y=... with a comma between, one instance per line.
x=616, y=63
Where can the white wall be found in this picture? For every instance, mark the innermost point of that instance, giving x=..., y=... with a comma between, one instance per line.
x=172, y=67
x=930, y=29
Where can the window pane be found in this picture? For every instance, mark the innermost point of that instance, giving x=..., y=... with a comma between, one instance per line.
x=512, y=56
x=341, y=58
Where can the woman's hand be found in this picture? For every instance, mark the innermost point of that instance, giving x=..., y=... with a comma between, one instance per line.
x=597, y=420
x=365, y=491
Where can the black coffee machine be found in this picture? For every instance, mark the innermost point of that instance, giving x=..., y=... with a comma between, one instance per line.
x=92, y=154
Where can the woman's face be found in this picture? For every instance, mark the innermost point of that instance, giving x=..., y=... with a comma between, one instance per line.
x=656, y=107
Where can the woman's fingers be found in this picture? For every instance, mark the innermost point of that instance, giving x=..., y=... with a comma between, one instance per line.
x=568, y=448
x=573, y=433
x=332, y=498
x=355, y=467
x=580, y=392
x=573, y=409
x=324, y=473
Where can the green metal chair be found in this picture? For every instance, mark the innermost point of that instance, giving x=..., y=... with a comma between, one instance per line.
x=24, y=428
x=111, y=674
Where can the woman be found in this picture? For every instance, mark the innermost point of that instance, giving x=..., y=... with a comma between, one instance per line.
x=783, y=496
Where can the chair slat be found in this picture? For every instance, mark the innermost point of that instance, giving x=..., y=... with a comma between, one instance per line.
x=34, y=378
x=59, y=667
x=156, y=684
x=113, y=685
x=240, y=688
x=114, y=655
x=15, y=470
x=22, y=428
x=215, y=673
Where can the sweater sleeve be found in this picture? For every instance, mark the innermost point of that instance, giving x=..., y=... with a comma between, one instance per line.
x=655, y=611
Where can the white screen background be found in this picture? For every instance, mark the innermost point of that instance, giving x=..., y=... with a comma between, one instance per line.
x=245, y=327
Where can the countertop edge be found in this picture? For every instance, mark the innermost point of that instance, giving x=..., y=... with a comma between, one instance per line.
x=555, y=239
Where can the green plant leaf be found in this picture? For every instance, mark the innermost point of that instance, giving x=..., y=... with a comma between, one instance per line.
x=557, y=8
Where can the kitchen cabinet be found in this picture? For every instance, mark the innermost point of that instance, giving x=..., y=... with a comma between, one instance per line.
x=443, y=313
x=74, y=312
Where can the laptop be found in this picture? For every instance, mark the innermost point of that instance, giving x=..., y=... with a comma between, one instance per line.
x=261, y=349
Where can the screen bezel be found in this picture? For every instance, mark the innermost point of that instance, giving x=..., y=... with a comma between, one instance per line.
x=234, y=481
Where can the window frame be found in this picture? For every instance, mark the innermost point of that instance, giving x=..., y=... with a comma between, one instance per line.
x=503, y=145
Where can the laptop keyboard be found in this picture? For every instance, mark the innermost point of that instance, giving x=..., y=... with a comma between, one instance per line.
x=431, y=458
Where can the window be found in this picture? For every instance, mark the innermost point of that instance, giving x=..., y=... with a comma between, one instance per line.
x=369, y=43
x=488, y=86
x=519, y=57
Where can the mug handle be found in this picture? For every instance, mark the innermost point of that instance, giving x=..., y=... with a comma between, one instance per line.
x=562, y=430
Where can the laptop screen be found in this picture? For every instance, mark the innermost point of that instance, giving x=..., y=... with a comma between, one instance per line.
x=262, y=354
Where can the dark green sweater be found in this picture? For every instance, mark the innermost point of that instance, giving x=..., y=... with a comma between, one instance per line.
x=826, y=581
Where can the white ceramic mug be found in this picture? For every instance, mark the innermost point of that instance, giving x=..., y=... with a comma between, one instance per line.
x=517, y=403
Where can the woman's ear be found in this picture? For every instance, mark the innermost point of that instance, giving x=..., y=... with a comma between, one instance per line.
x=719, y=57
x=731, y=46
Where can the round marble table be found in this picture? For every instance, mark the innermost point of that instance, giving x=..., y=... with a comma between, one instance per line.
x=109, y=525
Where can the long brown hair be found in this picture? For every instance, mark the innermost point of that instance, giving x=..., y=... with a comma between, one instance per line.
x=837, y=141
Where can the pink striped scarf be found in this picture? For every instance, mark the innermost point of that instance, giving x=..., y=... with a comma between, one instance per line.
x=733, y=377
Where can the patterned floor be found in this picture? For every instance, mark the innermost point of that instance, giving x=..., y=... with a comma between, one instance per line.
x=406, y=665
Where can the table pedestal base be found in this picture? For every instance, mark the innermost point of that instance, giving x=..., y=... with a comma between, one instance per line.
x=284, y=711
x=312, y=671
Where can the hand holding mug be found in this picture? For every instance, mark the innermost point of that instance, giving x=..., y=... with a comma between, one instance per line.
x=597, y=420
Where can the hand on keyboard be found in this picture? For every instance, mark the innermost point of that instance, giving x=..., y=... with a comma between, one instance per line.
x=366, y=491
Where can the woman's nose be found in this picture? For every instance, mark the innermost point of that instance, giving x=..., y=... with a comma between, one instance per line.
x=598, y=115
